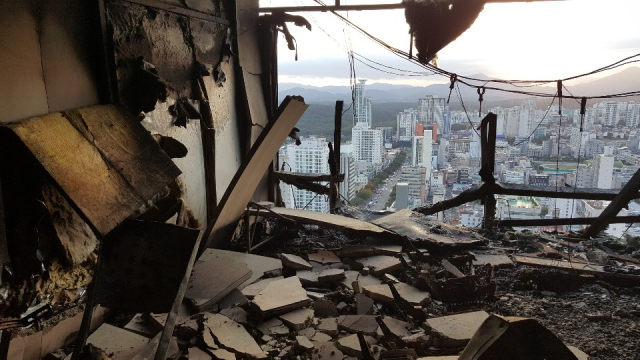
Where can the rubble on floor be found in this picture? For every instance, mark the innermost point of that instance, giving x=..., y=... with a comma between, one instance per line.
x=323, y=295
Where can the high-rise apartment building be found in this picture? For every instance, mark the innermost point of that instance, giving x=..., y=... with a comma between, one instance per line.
x=602, y=176
x=513, y=119
x=361, y=106
x=406, y=123
x=368, y=144
x=633, y=114
x=611, y=114
x=527, y=121
x=348, y=168
x=422, y=151
x=431, y=110
x=311, y=157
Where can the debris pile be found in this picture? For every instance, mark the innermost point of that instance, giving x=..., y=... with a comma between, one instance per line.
x=324, y=295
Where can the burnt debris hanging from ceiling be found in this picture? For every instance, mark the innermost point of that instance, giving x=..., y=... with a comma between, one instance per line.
x=435, y=24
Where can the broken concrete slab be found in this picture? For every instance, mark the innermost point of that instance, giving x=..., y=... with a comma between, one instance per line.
x=350, y=345
x=320, y=337
x=295, y=262
x=298, y=319
x=254, y=289
x=364, y=304
x=455, y=330
x=304, y=344
x=222, y=354
x=382, y=293
x=236, y=314
x=452, y=268
x=234, y=298
x=272, y=327
x=258, y=264
x=213, y=279
x=331, y=275
x=327, y=351
x=197, y=354
x=398, y=327
x=363, y=280
x=354, y=323
x=232, y=336
x=497, y=261
x=149, y=350
x=324, y=257
x=120, y=343
x=142, y=326
x=308, y=277
x=281, y=296
x=380, y=264
x=324, y=308
x=328, y=326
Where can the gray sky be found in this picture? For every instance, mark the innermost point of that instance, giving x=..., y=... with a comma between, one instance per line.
x=508, y=41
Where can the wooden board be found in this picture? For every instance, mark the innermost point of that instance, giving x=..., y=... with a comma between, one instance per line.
x=247, y=178
x=102, y=158
x=143, y=264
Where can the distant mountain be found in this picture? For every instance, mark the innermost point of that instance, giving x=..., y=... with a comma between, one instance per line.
x=624, y=81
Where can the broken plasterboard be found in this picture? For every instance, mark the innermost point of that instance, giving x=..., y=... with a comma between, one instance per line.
x=281, y=296
x=258, y=264
x=214, y=278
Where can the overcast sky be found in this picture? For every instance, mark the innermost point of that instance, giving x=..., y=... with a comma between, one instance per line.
x=538, y=40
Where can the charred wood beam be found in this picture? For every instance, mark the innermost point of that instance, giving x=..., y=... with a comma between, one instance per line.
x=337, y=130
x=620, y=201
x=292, y=176
x=311, y=186
x=472, y=194
x=561, y=193
x=564, y=221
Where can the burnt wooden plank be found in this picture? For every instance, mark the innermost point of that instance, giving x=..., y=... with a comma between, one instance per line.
x=102, y=158
x=620, y=201
x=251, y=170
x=294, y=176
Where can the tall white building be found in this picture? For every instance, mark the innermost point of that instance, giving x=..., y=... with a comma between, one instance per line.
x=602, y=177
x=501, y=120
x=528, y=112
x=512, y=122
x=348, y=168
x=312, y=157
x=406, y=123
x=611, y=115
x=368, y=144
x=422, y=150
x=361, y=106
x=633, y=114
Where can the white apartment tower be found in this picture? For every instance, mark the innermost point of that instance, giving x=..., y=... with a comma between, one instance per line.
x=611, y=114
x=602, y=177
x=368, y=144
x=406, y=123
x=348, y=168
x=361, y=106
x=633, y=114
x=312, y=157
x=422, y=150
x=431, y=110
x=513, y=119
x=528, y=117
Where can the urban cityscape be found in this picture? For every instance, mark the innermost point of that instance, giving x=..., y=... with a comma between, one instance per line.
x=439, y=149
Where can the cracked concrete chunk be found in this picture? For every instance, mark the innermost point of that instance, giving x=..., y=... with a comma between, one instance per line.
x=321, y=337
x=324, y=257
x=331, y=275
x=497, y=261
x=298, y=319
x=350, y=345
x=232, y=336
x=398, y=327
x=456, y=330
x=236, y=314
x=295, y=262
x=328, y=326
x=254, y=289
x=325, y=308
x=363, y=280
x=197, y=354
x=380, y=264
x=364, y=304
x=304, y=344
x=383, y=294
x=272, y=327
x=121, y=343
x=281, y=296
x=354, y=323
x=142, y=326
x=327, y=351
